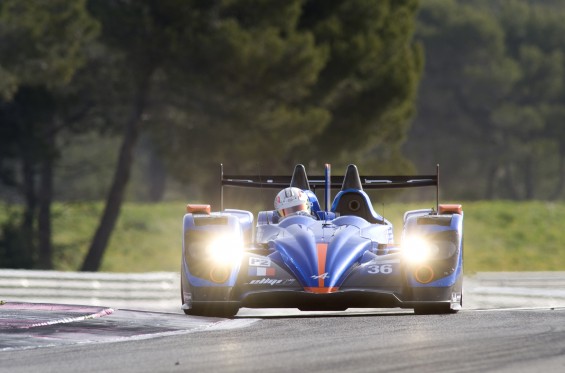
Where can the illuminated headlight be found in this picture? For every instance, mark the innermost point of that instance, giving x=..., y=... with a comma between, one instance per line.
x=226, y=249
x=417, y=250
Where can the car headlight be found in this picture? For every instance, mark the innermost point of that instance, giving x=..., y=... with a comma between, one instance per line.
x=417, y=250
x=225, y=249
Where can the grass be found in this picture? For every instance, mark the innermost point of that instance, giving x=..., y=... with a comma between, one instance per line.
x=499, y=236
x=508, y=236
x=147, y=237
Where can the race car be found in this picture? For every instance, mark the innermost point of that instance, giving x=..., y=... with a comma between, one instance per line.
x=334, y=258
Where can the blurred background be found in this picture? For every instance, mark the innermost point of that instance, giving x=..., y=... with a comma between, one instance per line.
x=115, y=113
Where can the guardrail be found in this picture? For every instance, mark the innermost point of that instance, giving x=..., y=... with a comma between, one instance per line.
x=154, y=291
x=515, y=289
x=160, y=291
x=522, y=279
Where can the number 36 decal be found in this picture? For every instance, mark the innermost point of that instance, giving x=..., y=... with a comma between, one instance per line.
x=384, y=269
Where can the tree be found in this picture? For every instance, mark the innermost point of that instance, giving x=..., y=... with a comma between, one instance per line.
x=535, y=38
x=370, y=81
x=134, y=32
x=169, y=42
x=494, y=74
x=253, y=80
x=290, y=93
x=240, y=80
x=42, y=45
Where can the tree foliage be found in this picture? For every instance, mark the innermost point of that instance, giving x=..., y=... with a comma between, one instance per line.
x=254, y=83
x=42, y=44
x=261, y=85
x=491, y=102
x=270, y=84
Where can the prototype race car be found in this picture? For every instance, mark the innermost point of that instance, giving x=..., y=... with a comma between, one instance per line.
x=342, y=256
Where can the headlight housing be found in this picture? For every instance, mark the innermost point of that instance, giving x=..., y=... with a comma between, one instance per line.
x=225, y=249
x=418, y=250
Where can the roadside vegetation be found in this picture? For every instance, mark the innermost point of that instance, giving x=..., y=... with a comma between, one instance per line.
x=507, y=235
x=499, y=236
x=117, y=101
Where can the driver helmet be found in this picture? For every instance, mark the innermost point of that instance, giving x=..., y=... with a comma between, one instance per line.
x=292, y=201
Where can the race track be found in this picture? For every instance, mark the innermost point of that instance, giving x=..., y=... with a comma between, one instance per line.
x=511, y=322
x=509, y=340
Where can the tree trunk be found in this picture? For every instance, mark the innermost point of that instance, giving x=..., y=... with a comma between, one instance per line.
x=561, y=175
x=155, y=173
x=27, y=254
x=512, y=191
x=45, y=196
x=121, y=177
x=529, y=179
x=490, y=181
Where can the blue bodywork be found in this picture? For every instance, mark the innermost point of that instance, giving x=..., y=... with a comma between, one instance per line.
x=338, y=258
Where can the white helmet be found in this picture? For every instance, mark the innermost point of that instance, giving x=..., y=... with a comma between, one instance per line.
x=292, y=201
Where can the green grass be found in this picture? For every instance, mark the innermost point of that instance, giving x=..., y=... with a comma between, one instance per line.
x=147, y=237
x=499, y=236
x=507, y=236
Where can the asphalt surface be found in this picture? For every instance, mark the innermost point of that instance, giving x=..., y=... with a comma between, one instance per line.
x=505, y=340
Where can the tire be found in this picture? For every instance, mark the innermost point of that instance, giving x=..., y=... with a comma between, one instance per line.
x=434, y=309
x=220, y=310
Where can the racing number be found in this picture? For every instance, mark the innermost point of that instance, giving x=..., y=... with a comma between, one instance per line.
x=384, y=269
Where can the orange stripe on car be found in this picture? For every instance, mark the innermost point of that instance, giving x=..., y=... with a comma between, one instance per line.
x=322, y=248
x=322, y=290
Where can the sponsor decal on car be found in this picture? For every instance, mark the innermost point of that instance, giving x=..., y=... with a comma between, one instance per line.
x=322, y=276
x=261, y=271
x=271, y=281
x=259, y=262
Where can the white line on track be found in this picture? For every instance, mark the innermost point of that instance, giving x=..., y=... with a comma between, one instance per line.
x=518, y=309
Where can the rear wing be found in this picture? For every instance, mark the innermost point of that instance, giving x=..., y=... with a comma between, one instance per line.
x=329, y=182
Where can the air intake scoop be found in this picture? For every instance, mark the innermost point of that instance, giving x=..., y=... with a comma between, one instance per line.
x=351, y=179
x=299, y=178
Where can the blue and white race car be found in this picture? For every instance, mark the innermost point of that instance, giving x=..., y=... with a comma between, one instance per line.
x=337, y=257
